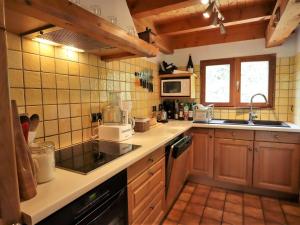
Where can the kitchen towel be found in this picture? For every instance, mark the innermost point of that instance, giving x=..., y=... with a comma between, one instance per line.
x=25, y=166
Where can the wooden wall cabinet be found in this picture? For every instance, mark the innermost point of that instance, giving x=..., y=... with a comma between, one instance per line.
x=202, y=154
x=233, y=161
x=146, y=192
x=276, y=166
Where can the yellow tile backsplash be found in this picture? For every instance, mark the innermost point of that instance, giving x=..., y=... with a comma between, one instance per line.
x=285, y=107
x=64, y=87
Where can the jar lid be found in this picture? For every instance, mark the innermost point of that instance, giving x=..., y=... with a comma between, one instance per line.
x=42, y=147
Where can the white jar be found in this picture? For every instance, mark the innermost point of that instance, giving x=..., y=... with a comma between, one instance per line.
x=44, y=161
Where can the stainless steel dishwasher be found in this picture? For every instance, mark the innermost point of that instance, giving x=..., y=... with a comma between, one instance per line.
x=177, y=156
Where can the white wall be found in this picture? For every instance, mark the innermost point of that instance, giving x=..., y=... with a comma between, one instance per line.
x=233, y=49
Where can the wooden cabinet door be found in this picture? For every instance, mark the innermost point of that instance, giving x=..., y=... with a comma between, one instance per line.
x=202, y=152
x=233, y=161
x=276, y=166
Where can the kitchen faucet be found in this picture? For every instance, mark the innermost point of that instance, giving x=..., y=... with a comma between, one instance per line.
x=252, y=115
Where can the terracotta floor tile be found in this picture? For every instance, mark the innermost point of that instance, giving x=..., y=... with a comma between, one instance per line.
x=196, y=209
x=234, y=198
x=253, y=221
x=175, y=215
x=204, y=187
x=253, y=212
x=198, y=199
x=180, y=205
x=214, y=214
x=235, y=208
x=206, y=221
x=169, y=222
x=276, y=217
x=232, y=218
x=218, y=189
x=252, y=200
x=293, y=220
x=223, y=223
x=189, y=219
x=185, y=196
x=217, y=195
x=188, y=189
x=214, y=203
x=291, y=210
x=201, y=191
x=271, y=204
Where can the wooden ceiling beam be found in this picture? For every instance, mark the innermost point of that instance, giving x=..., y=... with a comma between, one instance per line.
x=289, y=11
x=240, y=32
x=192, y=23
x=145, y=8
x=67, y=15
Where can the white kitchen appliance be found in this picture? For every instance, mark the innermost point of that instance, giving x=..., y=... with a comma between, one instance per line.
x=114, y=132
x=176, y=87
x=203, y=113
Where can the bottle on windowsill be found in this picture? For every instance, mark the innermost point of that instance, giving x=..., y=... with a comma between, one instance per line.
x=190, y=65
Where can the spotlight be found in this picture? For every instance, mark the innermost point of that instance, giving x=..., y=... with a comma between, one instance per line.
x=222, y=28
x=209, y=10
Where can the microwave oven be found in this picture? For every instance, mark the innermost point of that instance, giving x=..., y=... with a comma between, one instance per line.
x=176, y=87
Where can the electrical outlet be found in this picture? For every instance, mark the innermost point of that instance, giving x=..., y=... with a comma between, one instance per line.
x=95, y=117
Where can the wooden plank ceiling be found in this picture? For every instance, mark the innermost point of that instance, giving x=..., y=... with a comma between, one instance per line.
x=180, y=23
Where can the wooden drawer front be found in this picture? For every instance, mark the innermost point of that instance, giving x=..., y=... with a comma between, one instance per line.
x=154, y=212
x=234, y=134
x=136, y=169
x=281, y=137
x=144, y=188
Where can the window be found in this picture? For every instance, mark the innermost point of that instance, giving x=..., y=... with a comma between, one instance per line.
x=232, y=82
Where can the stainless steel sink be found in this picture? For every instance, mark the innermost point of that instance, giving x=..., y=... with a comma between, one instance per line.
x=246, y=123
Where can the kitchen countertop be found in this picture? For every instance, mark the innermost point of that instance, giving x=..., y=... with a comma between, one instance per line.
x=67, y=186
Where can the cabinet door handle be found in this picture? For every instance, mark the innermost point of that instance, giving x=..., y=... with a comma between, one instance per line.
x=210, y=136
x=151, y=207
x=276, y=136
x=249, y=149
x=150, y=160
x=233, y=134
x=151, y=173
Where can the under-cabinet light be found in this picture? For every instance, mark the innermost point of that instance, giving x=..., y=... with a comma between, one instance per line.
x=71, y=48
x=45, y=41
x=204, y=2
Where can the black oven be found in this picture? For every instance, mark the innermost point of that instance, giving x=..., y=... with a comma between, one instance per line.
x=104, y=205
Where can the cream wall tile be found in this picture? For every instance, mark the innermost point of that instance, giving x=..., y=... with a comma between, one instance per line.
x=62, y=81
x=63, y=96
x=75, y=110
x=30, y=46
x=84, y=83
x=49, y=96
x=61, y=66
x=74, y=82
x=14, y=59
x=76, y=123
x=86, y=123
x=93, y=71
x=48, y=80
x=32, y=79
x=51, y=127
x=13, y=41
x=47, y=64
x=93, y=60
x=64, y=125
x=31, y=62
x=15, y=78
x=74, y=96
x=33, y=96
x=65, y=140
x=84, y=70
x=76, y=137
x=86, y=109
x=85, y=96
x=50, y=112
x=83, y=58
x=64, y=111
x=73, y=68
x=46, y=50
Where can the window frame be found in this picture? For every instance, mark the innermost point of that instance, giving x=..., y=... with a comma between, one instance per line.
x=235, y=80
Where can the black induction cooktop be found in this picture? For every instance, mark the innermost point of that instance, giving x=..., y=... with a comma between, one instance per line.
x=87, y=156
